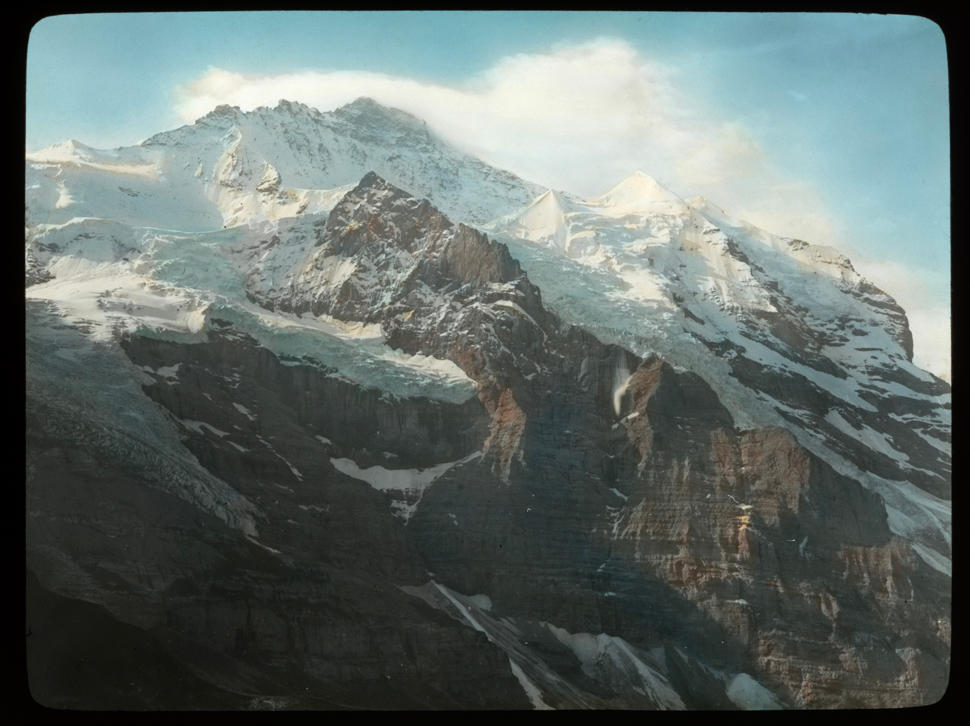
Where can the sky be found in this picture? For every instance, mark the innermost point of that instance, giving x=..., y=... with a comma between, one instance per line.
x=833, y=128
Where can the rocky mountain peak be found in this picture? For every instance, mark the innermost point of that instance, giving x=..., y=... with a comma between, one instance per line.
x=368, y=112
x=284, y=105
x=373, y=181
x=377, y=215
x=374, y=196
x=361, y=104
x=224, y=111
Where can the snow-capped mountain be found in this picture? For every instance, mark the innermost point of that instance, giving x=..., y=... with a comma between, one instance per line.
x=787, y=332
x=231, y=168
x=304, y=433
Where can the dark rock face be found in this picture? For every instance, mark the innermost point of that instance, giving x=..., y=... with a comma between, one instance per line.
x=357, y=422
x=304, y=611
x=602, y=537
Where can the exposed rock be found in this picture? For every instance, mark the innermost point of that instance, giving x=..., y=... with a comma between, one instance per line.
x=595, y=530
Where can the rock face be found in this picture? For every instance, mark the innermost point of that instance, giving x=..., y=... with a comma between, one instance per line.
x=300, y=606
x=787, y=333
x=586, y=527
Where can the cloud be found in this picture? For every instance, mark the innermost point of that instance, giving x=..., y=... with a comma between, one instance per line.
x=581, y=118
x=931, y=328
x=924, y=295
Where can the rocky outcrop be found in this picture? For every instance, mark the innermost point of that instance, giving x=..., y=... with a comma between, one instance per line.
x=715, y=514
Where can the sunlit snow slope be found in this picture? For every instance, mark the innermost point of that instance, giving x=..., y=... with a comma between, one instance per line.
x=231, y=168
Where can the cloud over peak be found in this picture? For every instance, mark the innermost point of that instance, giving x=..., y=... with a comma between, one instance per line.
x=577, y=117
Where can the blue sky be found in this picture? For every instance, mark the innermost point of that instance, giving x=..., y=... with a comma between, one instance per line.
x=829, y=127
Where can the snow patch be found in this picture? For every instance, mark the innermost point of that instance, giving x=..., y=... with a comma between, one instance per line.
x=200, y=426
x=169, y=372
x=745, y=692
x=531, y=691
x=293, y=469
x=393, y=479
x=260, y=544
x=934, y=559
x=611, y=653
x=482, y=602
x=465, y=613
x=871, y=438
x=411, y=483
x=244, y=411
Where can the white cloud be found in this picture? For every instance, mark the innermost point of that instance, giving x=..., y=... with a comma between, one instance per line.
x=581, y=118
x=578, y=117
x=924, y=295
x=931, y=333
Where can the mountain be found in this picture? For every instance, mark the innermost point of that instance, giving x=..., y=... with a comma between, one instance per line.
x=231, y=168
x=787, y=333
x=365, y=456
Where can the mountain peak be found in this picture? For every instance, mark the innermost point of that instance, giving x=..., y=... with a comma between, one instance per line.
x=223, y=110
x=362, y=103
x=63, y=151
x=367, y=108
x=294, y=107
x=639, y=187
x=372, y=180
x=374, y=192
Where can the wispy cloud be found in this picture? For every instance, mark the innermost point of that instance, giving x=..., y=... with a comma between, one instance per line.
x=578, y=117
